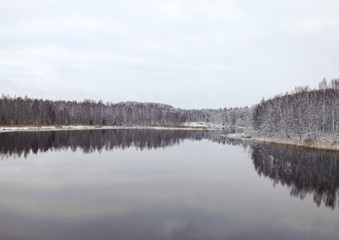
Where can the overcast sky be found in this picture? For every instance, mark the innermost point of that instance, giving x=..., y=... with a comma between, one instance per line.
x=187, y=53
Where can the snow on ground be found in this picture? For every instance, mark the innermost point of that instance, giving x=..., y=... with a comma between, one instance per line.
x=328, y=145
x=84, y=127
x=202, y=125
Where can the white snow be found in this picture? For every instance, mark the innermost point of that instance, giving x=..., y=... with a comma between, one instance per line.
x=83, y=127
x=202, y=125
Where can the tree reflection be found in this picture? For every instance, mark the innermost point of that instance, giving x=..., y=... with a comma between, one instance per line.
x=305, y=171
x=23, y=143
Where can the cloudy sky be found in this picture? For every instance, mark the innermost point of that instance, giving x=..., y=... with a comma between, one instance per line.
x=187, y=53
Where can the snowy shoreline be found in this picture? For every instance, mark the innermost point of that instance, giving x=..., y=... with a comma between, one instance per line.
x=4, y=129
x=325, y=145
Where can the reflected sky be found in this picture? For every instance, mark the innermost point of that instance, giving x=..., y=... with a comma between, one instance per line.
x=192, y=190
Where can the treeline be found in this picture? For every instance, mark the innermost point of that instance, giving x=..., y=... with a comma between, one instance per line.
x=18, y=111
x=302, y=114
x=26, y=111
x=227, y=117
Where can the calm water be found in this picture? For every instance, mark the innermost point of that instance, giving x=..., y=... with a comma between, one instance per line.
x=152, y=184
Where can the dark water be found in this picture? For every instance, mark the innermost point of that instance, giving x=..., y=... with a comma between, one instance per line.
x=152, y=184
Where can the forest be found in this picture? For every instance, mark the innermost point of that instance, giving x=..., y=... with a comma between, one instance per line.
x=303, y=114
x=18, y=111
x=311, y=114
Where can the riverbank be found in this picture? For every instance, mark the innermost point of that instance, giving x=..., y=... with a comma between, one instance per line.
x=87, y=127
x=325, y=145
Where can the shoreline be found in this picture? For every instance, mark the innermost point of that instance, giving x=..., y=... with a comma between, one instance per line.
x=323, y=145
x=4, y=129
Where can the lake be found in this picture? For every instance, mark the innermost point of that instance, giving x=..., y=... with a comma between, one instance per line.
x=163, y=184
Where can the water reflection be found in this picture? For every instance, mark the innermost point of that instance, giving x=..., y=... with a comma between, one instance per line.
x=304, y=171
x=199, y=190
x=23, y=143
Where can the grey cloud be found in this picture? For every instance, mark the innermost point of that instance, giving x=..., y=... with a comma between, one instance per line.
x=191, y=54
